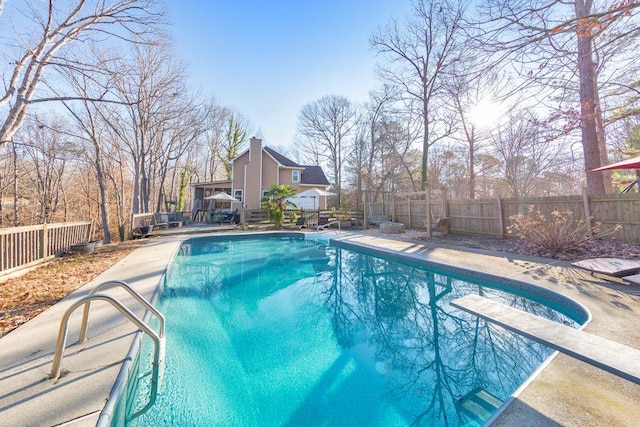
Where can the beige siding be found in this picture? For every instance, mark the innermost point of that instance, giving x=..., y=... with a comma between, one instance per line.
x=269, y=171
x=238, y=173
x=261, y=171
x=286, y=179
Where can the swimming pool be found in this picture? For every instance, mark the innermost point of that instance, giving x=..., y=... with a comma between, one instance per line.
x=284, y=331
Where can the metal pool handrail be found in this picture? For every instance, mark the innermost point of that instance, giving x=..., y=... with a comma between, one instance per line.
x=133, y=293
x=323, y=226
x=158, y=342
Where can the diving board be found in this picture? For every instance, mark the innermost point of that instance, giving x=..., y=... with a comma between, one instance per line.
x=613, y=357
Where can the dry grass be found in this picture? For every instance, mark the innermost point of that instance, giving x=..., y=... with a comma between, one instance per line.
x=26, y=296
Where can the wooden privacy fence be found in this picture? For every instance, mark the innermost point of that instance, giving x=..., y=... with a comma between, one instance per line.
x=22, y=247
x=492, y=216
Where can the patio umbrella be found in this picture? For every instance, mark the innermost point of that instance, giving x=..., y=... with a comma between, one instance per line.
x=633, y=163
x=222, y=196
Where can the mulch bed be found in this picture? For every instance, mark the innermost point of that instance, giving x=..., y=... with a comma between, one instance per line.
x=591, y=249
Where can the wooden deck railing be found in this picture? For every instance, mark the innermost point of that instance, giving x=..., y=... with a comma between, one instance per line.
x=22, y=247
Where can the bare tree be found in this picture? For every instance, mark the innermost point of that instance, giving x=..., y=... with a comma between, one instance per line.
x=13, y=170
x=181, y=127
x=419, y=54
x=327, y=124
x=235, y=138
x=55, y=25
x=216, y=117
x=366, y=155
x=147, y=87
x=118, y=178
x=563, y=46
x=5, y=181
x=391, y=164
x=48, y=151
x=524, y=151
x=471, y=87
x=90, y=128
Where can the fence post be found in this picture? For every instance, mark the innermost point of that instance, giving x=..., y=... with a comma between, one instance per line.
x=428, y=211
x=365, y=216
x=500, y=218
x=445, y=205
x=44, y=241
x=409, y=210
x=90, y=231
x=587, y=212
x=393, y=207
x=445, y=213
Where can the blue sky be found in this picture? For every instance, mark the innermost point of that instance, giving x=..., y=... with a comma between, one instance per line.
x=269, y=58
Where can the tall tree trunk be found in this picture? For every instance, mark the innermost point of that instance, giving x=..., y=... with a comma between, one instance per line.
x=135, y=200
x=602, y=141
x=15, y=186
x=104, y=198
x=586, y=73
x=185, y=178
x=425, y=140
x=119, y=191
x=338, y=171
x=472, y=167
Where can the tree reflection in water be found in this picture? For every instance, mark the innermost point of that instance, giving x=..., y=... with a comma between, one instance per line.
x=432, y=354
x=386, y=328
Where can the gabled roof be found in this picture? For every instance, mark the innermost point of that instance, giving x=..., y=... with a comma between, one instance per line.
x=313, y=175
x=284, y=161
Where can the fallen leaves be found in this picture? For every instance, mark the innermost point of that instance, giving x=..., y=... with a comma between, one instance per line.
x=26, y=296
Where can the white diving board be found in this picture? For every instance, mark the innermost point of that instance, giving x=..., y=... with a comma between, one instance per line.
x=613, y=357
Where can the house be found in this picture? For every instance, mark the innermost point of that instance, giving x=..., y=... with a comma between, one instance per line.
x=257, y=169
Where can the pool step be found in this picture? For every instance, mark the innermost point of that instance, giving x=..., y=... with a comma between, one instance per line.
x=479, y=405
x=611, y=356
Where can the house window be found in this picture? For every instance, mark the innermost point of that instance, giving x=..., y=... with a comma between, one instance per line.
x=238, y=195
x=295, y=176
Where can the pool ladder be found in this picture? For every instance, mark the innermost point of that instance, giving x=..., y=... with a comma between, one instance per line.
x=158, y=338
x=323, y=226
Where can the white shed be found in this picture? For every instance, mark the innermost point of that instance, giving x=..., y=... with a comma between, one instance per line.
x=311, y=199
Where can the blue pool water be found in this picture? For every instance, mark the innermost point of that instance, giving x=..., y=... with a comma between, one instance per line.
x=287, y=332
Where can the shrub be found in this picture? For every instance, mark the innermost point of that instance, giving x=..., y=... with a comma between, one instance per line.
x=555, y=234
x=275, y=200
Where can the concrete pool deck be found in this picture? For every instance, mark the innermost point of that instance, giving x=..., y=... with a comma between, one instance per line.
x=566, y=391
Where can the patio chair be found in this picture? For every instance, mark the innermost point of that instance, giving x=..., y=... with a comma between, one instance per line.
x=175, y=219
x=323, y=222
x=160, y=220
x=229, y=218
